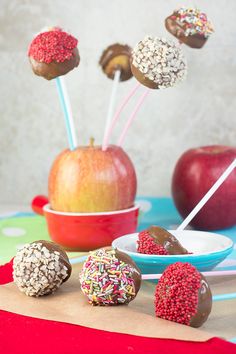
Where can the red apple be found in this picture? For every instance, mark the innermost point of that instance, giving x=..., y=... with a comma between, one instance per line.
x=195, y=172
x=89, y=179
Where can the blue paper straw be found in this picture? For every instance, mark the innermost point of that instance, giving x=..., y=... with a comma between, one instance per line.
x=221, y=297
x=65, y=104
x=78, y=259
x=233, y=340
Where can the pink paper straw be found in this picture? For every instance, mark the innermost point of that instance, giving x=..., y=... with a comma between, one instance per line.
x=132, y=117
x=216, y=273
x=117, y=115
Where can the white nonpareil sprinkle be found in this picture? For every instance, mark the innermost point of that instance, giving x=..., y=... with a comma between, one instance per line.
x=160, y=60
x=38, y=271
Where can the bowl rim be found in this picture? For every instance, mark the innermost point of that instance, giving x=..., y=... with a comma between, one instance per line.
x=47, y=209
x=153, y=257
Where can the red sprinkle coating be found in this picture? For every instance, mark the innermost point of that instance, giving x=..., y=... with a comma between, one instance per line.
x=176, y=296
x=54, y=45
x=147, y=245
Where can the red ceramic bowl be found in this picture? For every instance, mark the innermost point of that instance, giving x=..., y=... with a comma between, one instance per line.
x=88, y=231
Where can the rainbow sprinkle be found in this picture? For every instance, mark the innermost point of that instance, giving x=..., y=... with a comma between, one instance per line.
x=106, y=280
x=193, y=21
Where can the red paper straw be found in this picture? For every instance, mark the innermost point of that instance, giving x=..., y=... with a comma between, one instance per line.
x=132, y=117
x=117, y=115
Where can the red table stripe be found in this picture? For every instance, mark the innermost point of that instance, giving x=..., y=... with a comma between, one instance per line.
x=27, y=335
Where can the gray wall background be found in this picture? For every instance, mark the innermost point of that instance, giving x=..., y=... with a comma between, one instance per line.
x=200, y=111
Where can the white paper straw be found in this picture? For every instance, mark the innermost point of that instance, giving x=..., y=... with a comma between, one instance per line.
x=116, y=81
x=207, y=196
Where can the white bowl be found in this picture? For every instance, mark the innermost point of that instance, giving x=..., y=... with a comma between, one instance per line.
x=209, y=249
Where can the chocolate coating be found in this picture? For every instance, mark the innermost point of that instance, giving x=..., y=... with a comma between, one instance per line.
x=142, y=78
x=204, y=304
x=177, y=30
x=54, y=69
x=52, y=246
x=167, y=240
x=136, y=272
x=116, y=57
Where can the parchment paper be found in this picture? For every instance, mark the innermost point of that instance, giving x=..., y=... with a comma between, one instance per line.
x=69, y=305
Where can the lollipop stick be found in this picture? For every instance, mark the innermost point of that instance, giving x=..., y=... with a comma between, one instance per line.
x=66, y=107
x=111, y=106
x=207, y=196
x=117, y=115
x=132, y=117
x=230, y=296
x=216, y=273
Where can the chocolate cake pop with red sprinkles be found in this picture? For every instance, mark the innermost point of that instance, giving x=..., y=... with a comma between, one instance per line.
x=53, y=53
x=156, y=240
x=183, y=295
x=109, y=277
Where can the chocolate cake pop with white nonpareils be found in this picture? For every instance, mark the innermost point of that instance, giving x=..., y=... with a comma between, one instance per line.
x=109, y=277
x=156, y=240
x=183, y=295
x=158, y=63
x=53, y=53
x=190, y=26
x=116, y=57
x=39, y=268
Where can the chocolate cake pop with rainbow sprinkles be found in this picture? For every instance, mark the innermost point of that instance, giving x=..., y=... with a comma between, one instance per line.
x=183, y=295
x=53, y=53
x=109, y=277
x=190, y=26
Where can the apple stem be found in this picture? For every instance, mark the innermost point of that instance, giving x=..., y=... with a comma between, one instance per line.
x=91, y=142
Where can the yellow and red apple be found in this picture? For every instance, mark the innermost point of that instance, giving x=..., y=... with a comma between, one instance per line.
x=88, y=180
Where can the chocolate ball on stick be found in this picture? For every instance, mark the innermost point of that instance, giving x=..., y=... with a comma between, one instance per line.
x=116, y=57
x=158, y=63
x=39, y=268
x=183, y=295
x=189, y=26
x=53, y=53
x=156, y=240
x=110, y=277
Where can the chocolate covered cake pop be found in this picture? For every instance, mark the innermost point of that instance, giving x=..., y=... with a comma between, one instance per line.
x=116, y=57
x=53, y=53
x=183, y=295
x=156, y=240
x=39, y=268
x=110, y=277
x=158, y=63
x=190, y=26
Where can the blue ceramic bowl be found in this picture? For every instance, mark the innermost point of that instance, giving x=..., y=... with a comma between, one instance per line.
x=209, y=249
